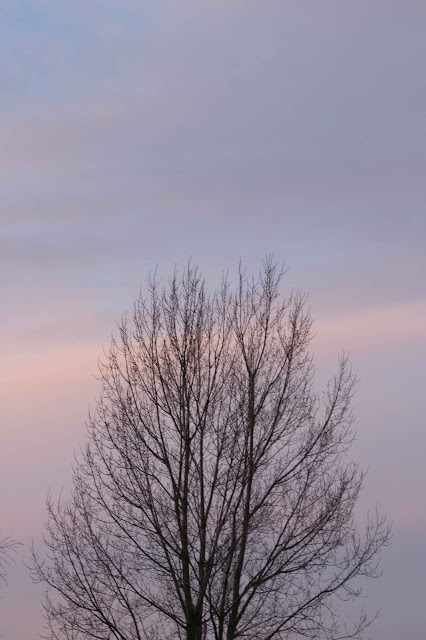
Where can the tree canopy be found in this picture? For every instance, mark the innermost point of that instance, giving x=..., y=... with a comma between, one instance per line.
x=214, y=499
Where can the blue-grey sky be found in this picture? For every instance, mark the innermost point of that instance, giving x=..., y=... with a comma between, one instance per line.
x=140, y=133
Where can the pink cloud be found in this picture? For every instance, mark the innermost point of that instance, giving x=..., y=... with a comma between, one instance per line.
x=375, y=327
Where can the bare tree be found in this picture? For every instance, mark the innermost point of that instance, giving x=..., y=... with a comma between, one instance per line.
x=8, y=547
x=214, y=498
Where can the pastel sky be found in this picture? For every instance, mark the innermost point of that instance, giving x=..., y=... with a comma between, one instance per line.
x=140, y=133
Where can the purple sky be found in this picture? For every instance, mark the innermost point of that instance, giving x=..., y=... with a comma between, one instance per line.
x=141, y=133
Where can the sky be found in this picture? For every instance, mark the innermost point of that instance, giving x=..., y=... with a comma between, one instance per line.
x=139, y=133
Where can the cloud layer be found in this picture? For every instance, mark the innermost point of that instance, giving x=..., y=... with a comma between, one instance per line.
x=136, y=134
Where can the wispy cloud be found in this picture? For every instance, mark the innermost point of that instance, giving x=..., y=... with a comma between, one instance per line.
x=376, y=328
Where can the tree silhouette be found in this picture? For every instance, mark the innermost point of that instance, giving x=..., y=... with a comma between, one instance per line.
x=8, y=547
x=214, y=498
